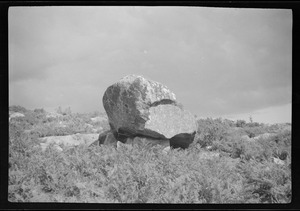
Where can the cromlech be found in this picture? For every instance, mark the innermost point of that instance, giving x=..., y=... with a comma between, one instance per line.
x=141, y=109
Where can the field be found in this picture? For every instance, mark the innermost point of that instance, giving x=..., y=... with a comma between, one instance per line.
x=229, y=162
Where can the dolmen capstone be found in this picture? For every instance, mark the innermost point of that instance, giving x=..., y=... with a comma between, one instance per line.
x=138, y=107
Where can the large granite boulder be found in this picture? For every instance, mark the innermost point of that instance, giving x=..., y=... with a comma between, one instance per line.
x=139, y=107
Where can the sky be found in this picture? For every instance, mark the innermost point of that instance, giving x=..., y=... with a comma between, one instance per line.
x=220, y=62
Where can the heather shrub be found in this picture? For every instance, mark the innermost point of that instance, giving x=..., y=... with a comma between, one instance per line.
x=143, y=175
x=253, y=124
x=229, y=122
x=234, y=146
x=266, y=182
x=254, y=131
x=242, y=172
x=51, y=130
x=21, y=123
x=39, y=111
x=211, y=130
x=279, y=145
x=240, y=123
x=16, y=108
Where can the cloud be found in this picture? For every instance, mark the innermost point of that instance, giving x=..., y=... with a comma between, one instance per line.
x=215, y=60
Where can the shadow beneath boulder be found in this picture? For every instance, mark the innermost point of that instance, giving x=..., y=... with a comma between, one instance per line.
x=182, y=140
x=110, y=137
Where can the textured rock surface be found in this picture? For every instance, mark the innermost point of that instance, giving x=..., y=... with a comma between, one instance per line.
x=107, y=138
x=278, y=161
x=170, y=120
x=45, y=145
x=136, y=106
x=127, y=101
x=110, y=140
x=69, y=140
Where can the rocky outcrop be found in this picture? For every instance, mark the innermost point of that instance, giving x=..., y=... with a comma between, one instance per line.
x=15, y=115
x=69, y=140
x=265, y=136
x=137, y=107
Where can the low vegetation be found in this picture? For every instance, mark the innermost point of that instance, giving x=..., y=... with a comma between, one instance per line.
x=244, y=171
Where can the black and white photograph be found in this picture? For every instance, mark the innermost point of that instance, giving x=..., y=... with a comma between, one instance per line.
x=149, y=105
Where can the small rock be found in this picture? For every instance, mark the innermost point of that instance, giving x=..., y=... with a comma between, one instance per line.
x=166, y=150
x=278, y=161
x=107, y=138
x=15, y=115
x=123, y=145
x=58, y=148
x=209, y=148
